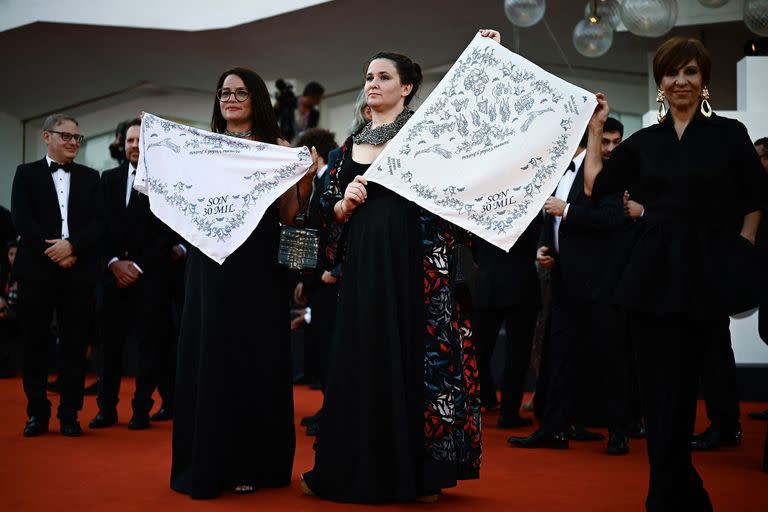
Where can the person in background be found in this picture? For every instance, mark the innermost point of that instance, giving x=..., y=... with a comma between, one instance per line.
x=318, y=291
x=57, y=208
x=761, y=146
x=135, y=289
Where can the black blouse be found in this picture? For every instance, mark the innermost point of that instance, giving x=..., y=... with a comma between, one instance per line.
x=696, y=191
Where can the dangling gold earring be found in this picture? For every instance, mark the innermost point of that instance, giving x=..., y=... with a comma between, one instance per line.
x=706, y=108
x=662, y=109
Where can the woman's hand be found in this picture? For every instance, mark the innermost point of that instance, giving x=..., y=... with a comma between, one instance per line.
x=600, y=115
x=493, y=34
x=354, y=195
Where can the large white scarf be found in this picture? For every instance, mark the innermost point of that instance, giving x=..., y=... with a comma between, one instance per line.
x=210, y=188
x=489, y=144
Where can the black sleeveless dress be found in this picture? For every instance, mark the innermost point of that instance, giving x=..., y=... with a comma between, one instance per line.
x=234, y=333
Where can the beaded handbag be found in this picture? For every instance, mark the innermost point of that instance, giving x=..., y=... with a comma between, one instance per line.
x=299, y=246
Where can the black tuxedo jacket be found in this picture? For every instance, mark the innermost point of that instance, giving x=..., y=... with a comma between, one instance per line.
x=133, y=232
x=506, y=279
x=587, y=240
x=37, y=217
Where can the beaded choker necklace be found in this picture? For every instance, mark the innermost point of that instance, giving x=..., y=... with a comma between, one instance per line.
x=381, y=134
x=240, y=135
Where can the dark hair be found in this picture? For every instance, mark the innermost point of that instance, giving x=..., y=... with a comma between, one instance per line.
x=323, y=140
x=613, y=125
x=263, y=120
x=762, y=142
x=136, y=121
x=55, y=120
x=676, y=52
x=409, y=71
x=313, y=89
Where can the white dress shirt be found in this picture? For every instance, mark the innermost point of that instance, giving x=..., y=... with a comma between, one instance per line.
x=61, y=180
x=563, y=191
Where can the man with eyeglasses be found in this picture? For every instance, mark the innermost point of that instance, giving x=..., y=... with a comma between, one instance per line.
x=57, y=209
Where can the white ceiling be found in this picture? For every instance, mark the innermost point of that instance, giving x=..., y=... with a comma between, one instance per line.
x=48, y=67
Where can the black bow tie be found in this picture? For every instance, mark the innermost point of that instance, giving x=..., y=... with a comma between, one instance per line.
x=53, y=166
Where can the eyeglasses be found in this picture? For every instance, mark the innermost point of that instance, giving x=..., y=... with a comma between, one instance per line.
x=240, y=95
x=66, y=136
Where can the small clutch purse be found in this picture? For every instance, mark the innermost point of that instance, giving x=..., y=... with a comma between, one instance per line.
x=299, y=246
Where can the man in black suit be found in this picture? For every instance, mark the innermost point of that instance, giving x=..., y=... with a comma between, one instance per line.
x=57, y=210
x=506, y=290
x=320, y=289
x=575, y=239
x=136, y=292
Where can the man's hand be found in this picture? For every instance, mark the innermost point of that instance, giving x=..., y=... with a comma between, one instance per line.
x=543, y=257
x=125, y=273
x=59, y=249
x=554, y=206
x=328, y=278
x=68, y=262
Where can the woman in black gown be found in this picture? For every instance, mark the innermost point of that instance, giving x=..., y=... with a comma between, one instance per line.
x=401, y=416
x=703, y=188
x=229, y=434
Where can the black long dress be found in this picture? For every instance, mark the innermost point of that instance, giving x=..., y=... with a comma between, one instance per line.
x=233, y=418
x=401, y=412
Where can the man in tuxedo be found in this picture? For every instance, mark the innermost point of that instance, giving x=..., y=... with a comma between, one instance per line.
x=318, y=290
x=575, y=238
x=135, y=290
x=57, y=210
x=506, y=290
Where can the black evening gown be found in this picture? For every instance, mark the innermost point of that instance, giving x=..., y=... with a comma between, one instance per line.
x=233, y=417
x=378, y=441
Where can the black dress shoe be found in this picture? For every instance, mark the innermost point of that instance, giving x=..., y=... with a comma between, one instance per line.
x=70, y=428
x=618, y=444
x=713, y=439
x=103, y=419
x=637, y=431
x=579, y=433
x=557, y=441
x=514, y=422
x=92, y=390
x=139, y=422
x=762, y=415
x=162, y=414
x=35, y=427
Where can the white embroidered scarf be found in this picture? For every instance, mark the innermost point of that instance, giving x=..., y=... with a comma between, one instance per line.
x=489, y=144
x=210, y=188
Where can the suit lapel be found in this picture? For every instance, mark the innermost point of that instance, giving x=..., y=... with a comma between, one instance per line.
x=578, y=185
x=48, y=187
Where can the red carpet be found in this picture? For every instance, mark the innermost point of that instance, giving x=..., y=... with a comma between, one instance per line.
x=120, y=470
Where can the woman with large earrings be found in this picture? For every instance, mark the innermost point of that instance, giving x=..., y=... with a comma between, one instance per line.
x=703, y=189
x=227, y=434
x=401, y=416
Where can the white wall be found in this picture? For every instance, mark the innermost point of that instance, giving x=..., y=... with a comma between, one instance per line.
x=186, y=106
x=10, y=154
